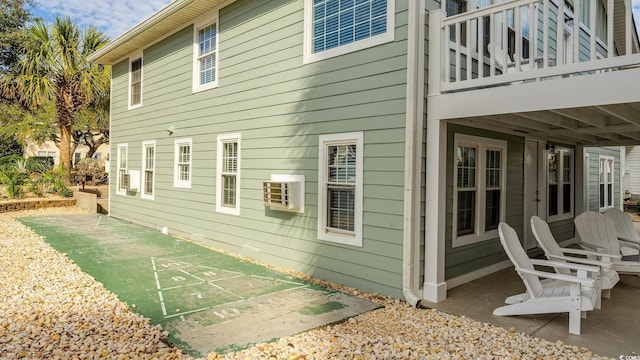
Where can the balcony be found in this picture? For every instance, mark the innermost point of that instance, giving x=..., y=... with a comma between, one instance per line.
x=525, y=41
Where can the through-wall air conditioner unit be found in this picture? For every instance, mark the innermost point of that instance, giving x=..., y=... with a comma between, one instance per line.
x=134, y=179
x=284, y=192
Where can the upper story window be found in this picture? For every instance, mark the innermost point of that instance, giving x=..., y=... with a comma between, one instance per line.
x=135, y=81
x=205, y=52
x=479, y=202
x=336, y=27
x=560, y=172
x=606, y=182
x=182, y=161
x=228, y=174
x=340, y=183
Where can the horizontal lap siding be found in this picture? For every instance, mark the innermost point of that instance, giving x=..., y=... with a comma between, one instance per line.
x=280, y=107
x=465, y=259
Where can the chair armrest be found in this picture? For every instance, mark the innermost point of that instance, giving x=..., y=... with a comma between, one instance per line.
x=560, y=264
x=561, y=277
x=591, y=246
x=628, y=243
x=583, y=261
x=589, y=252
x=628, y=239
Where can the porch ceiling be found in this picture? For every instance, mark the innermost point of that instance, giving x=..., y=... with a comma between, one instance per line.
x=603, y=125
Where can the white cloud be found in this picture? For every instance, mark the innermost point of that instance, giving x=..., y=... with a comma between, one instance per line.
x=112, y=17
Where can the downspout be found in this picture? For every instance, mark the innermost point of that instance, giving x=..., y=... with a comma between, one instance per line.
x=413, y=145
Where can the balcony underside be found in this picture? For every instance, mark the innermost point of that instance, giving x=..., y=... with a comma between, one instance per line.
x=594, y=110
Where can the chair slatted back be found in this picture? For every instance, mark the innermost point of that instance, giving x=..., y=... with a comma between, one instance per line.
x=517, y=255
x=547, y=242
x=598, y=229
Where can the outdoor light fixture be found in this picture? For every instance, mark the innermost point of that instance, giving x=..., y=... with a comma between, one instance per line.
x=170, y=130
x=551, y=147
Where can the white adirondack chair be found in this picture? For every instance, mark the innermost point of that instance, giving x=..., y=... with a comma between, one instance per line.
x=576, y=298
x=605, y=280
x=598, y=233
x=627, y=235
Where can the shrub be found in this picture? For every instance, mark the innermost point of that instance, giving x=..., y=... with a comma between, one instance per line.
x=92, y=169
x=13, y=177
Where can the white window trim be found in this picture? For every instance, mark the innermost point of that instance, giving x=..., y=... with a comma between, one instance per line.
x=176, y=172
x=560, y=215
x=482, y=144
x=200, y=22
x=309, y=56
x=605, y=158
x=118, y=162
x=219, y=207
x=133, y=57
x=145, y=145
x=354, y=239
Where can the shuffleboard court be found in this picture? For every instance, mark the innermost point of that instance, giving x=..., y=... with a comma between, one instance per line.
x=208, y=301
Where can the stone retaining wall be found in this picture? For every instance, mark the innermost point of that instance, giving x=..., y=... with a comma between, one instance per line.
x=19, y=205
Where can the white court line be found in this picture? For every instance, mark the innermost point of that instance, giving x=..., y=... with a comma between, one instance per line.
x=276, y=279
x=181, y=286
x=164, y=309
x=190, y=274
x=185, y=312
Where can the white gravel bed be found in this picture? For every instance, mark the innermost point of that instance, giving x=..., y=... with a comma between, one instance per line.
x=49, y=308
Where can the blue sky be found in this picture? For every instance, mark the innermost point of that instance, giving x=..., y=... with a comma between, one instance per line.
x=114, y=17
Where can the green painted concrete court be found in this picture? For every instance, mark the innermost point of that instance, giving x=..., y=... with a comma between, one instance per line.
x=208, y=301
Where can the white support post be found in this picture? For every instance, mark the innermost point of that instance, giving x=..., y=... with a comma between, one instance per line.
x=576, y=32
x=560, y=34
x=435, y=288
x=438, y=52
x=545, y=34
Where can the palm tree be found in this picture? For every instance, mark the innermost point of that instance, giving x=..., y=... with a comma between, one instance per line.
x=55, y=67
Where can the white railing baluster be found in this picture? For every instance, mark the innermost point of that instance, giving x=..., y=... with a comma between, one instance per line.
x=627, y=27
x=533, y=43
x=517, y=52
x=480, y=47
x=545, y=34
x=560, y=34
x=458, y=60
x=610, y=17
x=469, y=50
x=492, y=44
x=505, y=42
x=593, y=28
x=576, y=32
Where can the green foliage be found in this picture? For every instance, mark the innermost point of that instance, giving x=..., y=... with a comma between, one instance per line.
x=39, y=164
x=13, y=177
x=93, y=169
x=36, y=176
x=14, y=15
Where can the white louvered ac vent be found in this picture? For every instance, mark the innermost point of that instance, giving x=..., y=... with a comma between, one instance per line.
x=284, y=193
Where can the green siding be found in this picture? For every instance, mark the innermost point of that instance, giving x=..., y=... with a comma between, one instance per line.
x=280, y=107
x=465, y=259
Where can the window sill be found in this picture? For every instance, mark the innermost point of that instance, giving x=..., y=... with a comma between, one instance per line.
x=554, y=218
x=200, y=88
x=473, y=238
x=340, y=238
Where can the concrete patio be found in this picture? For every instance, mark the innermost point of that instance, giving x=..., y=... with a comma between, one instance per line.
x=611, y=331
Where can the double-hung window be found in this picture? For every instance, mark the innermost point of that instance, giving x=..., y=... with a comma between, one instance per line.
x=122, y=182
x=479, y=197
x=228, y=174
x=340, y=188
x=182, y=161
x=336, y=27
x=560, y=169
x=148, y=169
x=135, y=81
x=606, y=182
x=205, y=52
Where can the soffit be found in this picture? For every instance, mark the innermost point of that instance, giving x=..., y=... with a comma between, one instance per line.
x=164, y=22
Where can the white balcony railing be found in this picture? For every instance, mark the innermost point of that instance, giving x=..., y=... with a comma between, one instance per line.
x=530, y=40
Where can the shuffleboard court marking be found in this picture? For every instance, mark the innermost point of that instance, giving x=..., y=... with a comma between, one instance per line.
x=184, y=268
